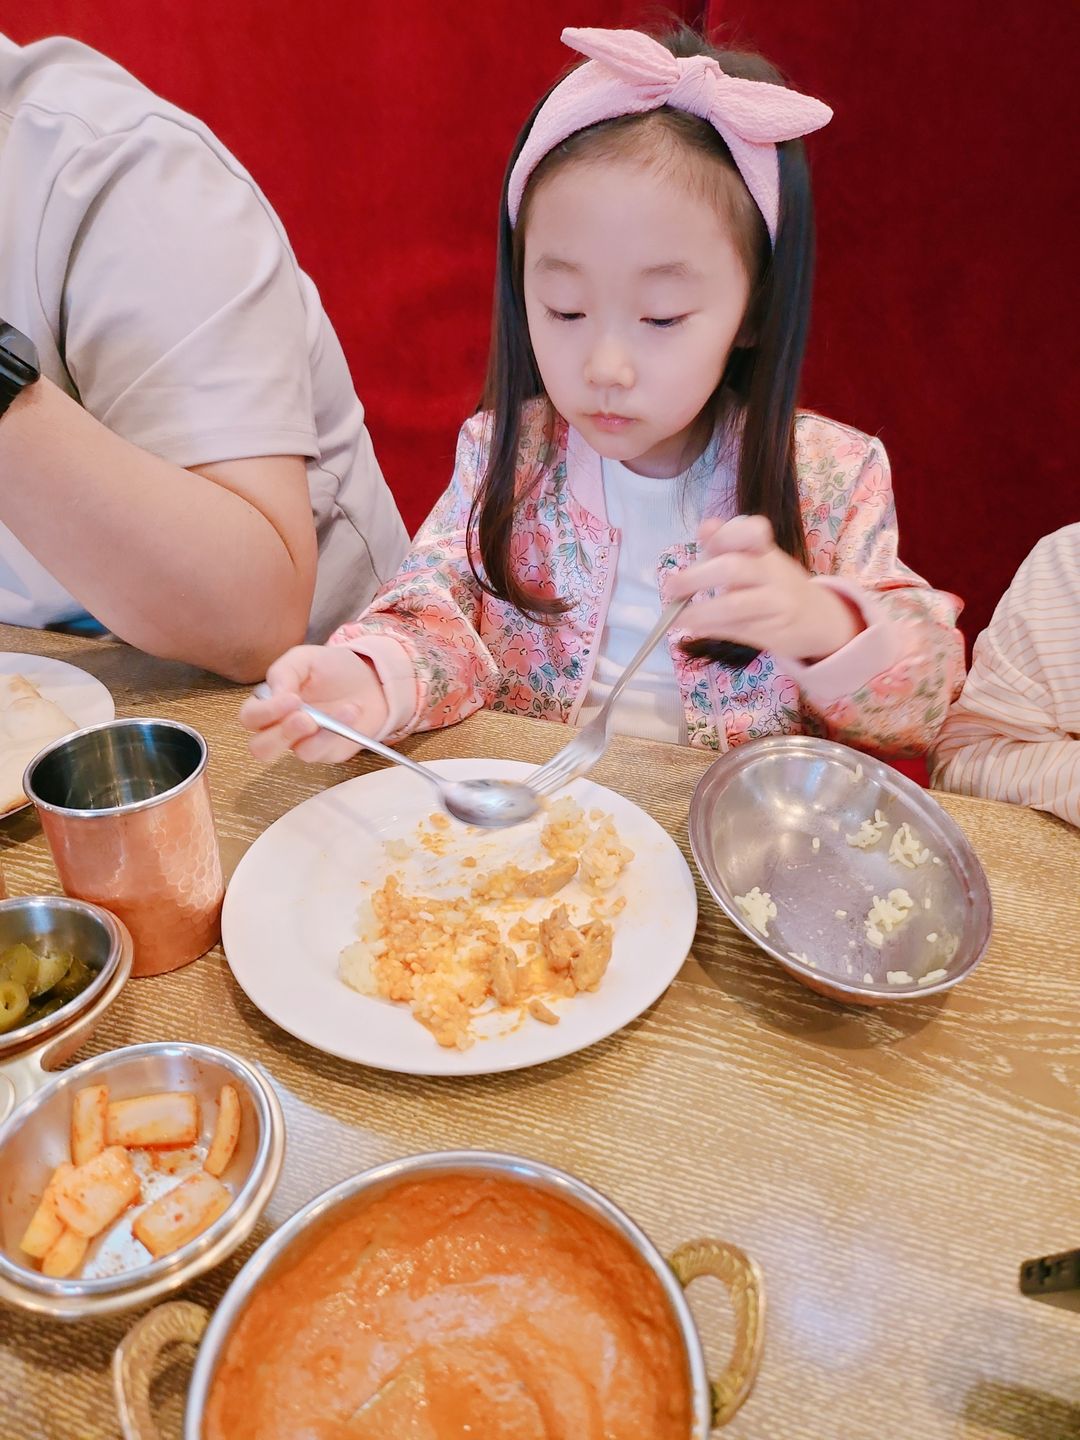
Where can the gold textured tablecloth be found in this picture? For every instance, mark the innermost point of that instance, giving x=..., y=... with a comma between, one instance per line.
x=888, y=1169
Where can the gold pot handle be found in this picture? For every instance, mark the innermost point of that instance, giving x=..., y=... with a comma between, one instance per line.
x=136, y=1358
x=746, y=1289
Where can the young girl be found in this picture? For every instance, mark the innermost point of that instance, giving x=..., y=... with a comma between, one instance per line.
x=651, y=305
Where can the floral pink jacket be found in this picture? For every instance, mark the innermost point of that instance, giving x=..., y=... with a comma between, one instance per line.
x=443, y=648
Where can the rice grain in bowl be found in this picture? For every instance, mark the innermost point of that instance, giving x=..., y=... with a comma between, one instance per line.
x=856, y=880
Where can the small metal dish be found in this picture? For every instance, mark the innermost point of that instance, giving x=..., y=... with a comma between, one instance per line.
x=754, y=820
x=102, y=942
x=36, y=1139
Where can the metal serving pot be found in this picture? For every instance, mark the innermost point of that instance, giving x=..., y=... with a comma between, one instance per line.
x=713, y=1403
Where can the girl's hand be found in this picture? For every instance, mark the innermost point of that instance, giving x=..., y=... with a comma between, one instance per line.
x=329, y=676
x=766, y=599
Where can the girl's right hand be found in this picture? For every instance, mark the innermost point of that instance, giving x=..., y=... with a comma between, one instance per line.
x=331, y=677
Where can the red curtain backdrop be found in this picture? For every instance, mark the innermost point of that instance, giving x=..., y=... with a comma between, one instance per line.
x=945, y=316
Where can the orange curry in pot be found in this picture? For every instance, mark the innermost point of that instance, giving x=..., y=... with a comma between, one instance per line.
x=457, y=1305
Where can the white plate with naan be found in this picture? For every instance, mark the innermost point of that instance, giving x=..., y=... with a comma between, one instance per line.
x=62, y=698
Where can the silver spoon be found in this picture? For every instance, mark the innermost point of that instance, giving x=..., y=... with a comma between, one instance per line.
x=492, y=804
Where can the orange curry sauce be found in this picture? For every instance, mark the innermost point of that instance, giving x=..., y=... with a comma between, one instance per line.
x=463, y=1306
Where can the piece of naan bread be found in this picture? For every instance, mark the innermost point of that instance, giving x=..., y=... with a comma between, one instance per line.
x=27, y=723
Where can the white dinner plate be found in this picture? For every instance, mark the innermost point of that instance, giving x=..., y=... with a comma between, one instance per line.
x=296, y=898
x=82, y=697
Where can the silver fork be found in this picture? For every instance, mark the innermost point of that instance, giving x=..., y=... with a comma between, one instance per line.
x=587, y=746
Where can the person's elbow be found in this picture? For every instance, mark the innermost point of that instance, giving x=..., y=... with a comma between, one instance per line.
x=239, y=644
x=266, y=588
x=248, y=658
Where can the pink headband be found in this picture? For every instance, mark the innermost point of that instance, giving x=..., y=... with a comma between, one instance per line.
x=629, y=73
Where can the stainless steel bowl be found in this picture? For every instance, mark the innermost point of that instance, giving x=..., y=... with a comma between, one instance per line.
x=754, y=819
x=102, y=942
x=115, y=768
x=36, y=1139
x=712, y=1405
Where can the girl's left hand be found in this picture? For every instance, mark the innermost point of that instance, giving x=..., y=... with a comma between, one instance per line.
x=765, y=598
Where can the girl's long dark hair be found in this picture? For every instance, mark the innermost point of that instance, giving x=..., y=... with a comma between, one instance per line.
x=756, y=395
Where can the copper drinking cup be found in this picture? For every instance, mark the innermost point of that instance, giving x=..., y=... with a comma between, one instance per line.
x=125, y=807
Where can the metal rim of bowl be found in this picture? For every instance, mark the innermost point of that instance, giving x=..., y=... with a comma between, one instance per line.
x=25, y=1037
x=709, y=792
x=107, y=1295
x=440, y=1162
x=110, y=812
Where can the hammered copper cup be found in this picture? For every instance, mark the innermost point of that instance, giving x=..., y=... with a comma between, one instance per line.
x=125, y=808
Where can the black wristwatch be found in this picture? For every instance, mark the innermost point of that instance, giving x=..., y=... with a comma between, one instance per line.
x=19, y=365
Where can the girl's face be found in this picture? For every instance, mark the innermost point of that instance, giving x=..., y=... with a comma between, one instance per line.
x=635, y=294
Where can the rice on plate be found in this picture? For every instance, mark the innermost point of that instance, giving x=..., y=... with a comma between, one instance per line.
x=518, y=937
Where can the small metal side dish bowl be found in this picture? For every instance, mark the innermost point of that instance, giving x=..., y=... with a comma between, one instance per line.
x=54, y=922
x=754, y=819
x=37, y=1137
x=713, y=1405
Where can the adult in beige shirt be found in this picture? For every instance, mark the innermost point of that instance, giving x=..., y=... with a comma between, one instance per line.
x=1014, y=733
x=193, y=467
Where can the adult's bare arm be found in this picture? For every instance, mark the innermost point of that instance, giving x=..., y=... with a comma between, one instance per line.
x=214, y=565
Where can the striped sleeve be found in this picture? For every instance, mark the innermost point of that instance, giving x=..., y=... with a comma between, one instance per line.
x=1014, y=734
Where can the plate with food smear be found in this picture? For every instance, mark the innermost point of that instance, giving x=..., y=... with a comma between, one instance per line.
x=40, y=700
x=372, y=926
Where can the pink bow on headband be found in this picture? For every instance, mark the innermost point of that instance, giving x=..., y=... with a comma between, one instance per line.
x=630, y=73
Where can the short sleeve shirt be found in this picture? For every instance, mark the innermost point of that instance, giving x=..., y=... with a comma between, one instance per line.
x=163, y=295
